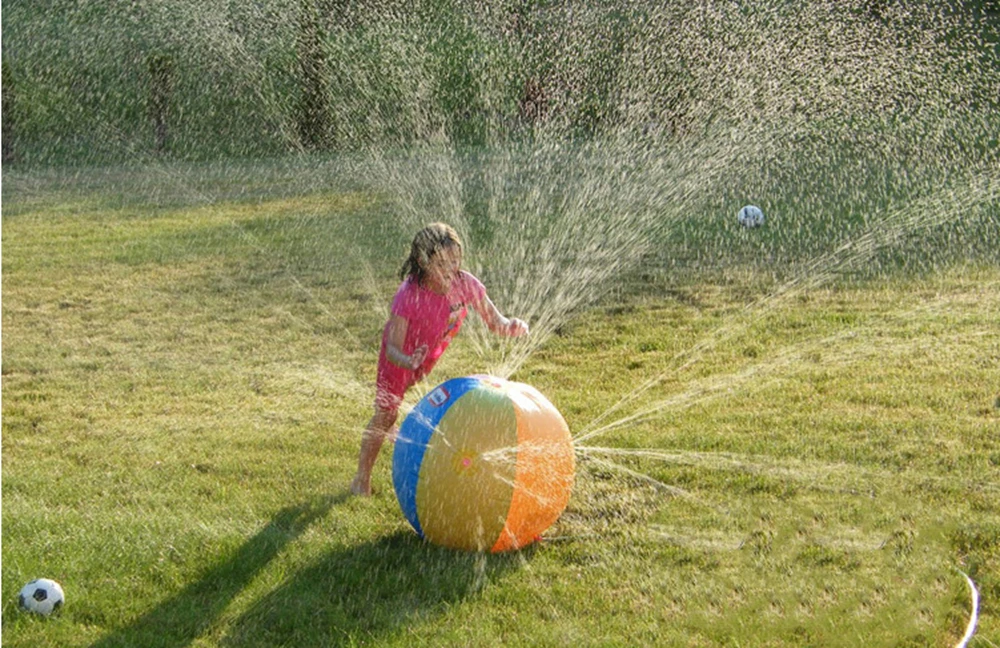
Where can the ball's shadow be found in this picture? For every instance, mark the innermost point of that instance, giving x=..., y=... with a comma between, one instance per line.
x=357, y=594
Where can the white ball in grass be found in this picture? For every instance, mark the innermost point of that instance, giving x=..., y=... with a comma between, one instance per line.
x=750, y=216
x=42, y=596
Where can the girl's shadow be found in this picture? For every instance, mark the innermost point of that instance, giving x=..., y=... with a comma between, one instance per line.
x=349, y=595
x=357, y=594
x=181, y=619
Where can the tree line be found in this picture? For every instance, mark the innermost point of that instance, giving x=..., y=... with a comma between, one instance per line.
x=264, y=77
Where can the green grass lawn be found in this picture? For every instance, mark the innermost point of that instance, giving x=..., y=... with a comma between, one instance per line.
x=763, y=460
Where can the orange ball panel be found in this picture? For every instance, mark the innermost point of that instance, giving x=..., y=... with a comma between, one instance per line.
x=545, y=466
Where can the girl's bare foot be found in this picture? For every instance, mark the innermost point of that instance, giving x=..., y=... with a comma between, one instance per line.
x=359, y=489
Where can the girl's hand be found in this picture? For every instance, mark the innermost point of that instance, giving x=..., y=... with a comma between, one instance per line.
x=417, y=357
x=517, y=327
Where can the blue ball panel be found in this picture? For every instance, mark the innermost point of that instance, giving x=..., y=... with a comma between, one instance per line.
x=411, y=443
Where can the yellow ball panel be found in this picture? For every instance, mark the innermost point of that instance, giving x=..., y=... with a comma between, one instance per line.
x=468, y=474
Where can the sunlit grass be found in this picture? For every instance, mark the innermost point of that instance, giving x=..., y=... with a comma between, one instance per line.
x=763, y=461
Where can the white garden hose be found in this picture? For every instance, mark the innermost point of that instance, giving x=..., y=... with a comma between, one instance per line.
x=971, y=628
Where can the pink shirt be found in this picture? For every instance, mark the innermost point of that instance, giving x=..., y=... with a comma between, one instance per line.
x=432, y=319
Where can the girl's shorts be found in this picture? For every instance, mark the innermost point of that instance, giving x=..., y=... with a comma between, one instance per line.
x=393, y=382
x=389, y=396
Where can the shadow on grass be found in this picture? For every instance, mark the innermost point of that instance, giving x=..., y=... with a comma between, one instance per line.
x=181, y=619
x=359, y=594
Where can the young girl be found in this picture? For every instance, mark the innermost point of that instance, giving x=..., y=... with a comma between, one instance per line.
x=427, y=312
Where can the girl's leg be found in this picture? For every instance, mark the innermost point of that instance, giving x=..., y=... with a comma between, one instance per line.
x=371, y=442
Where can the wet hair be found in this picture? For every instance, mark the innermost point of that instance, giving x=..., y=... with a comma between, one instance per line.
x=426, y=243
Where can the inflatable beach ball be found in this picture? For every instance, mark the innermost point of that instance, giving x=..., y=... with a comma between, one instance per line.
x=483, y=464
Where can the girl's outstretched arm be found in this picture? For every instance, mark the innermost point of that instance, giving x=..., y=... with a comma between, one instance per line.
x=496, y=322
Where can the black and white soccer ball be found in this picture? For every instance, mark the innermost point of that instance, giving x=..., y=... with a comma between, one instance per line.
x=42, y=596
x=750, y=216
